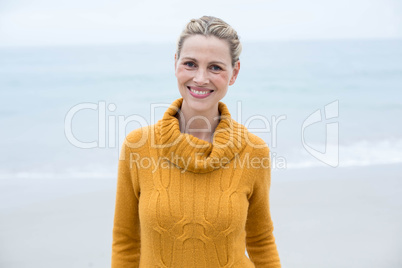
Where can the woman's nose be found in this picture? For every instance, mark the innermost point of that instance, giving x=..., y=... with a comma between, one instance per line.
x=201, y=77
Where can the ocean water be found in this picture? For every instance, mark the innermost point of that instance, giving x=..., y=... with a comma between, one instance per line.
x=64, y=111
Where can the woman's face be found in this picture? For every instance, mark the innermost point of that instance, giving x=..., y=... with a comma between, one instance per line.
x=204, y=72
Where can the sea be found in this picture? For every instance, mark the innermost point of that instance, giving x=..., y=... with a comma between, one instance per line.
x=65, y=110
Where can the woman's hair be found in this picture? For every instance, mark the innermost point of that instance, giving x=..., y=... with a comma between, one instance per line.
x=212, y=26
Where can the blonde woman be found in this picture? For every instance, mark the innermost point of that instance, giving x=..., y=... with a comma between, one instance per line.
x=193, y=189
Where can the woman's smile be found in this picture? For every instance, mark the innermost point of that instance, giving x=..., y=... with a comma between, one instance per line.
x=199, y=92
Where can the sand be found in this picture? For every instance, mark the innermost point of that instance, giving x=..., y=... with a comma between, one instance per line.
x=344, y=217
x=323, y=217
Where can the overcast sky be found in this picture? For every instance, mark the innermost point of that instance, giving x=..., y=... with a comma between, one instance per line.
x=52, y=22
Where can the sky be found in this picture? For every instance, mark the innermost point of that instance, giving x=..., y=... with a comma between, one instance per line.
x=78, y=22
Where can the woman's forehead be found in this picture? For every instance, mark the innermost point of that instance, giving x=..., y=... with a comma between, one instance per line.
x=201, y=47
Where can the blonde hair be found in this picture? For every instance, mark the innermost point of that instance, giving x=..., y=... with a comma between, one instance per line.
x=212, y=26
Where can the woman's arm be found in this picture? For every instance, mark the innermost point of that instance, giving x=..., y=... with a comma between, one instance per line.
x=260, y=240
x=126, y=229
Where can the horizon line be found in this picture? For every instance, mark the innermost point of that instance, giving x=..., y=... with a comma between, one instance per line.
x=143, y=42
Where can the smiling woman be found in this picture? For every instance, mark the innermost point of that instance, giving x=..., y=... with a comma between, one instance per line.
x=204, y=72
x=193, y=189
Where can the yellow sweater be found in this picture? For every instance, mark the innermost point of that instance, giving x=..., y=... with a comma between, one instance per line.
x=184, y=202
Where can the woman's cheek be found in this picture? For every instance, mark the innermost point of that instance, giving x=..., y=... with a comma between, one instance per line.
x=223, y=78
x=182, y=73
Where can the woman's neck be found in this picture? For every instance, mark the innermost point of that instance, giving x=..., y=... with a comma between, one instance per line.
x=200, y=125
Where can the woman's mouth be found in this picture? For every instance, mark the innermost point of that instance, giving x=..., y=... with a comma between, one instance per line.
x=199, y=92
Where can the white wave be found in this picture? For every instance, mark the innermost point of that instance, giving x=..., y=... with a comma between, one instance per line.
x=361, y=153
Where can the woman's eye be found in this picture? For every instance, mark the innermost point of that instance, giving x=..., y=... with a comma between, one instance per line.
x=189, y=64
x=216, y=68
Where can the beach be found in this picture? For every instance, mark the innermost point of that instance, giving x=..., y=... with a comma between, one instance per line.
x=323, y=217
x=64, y=113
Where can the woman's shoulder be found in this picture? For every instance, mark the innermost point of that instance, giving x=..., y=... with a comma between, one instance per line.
x=138, y=137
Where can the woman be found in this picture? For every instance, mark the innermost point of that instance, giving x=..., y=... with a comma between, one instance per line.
x=192, y=189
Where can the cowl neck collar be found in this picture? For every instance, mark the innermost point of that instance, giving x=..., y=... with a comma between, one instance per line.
x=190, y=153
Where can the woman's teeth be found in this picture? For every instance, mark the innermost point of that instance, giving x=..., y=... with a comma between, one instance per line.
x=200, y=92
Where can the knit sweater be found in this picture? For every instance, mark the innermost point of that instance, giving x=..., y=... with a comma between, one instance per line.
x=184, y=202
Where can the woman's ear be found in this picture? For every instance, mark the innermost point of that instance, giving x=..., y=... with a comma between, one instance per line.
x=175, y=61
x=235, y=73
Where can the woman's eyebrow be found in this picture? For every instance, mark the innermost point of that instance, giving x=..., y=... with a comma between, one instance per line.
x=218, y=62
x=212, y=62
x=189, y=58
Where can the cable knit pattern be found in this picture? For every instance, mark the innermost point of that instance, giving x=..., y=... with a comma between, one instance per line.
x=185, y=202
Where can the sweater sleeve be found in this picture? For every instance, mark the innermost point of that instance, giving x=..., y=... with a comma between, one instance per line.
x=260, y=240
x=126, y=227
